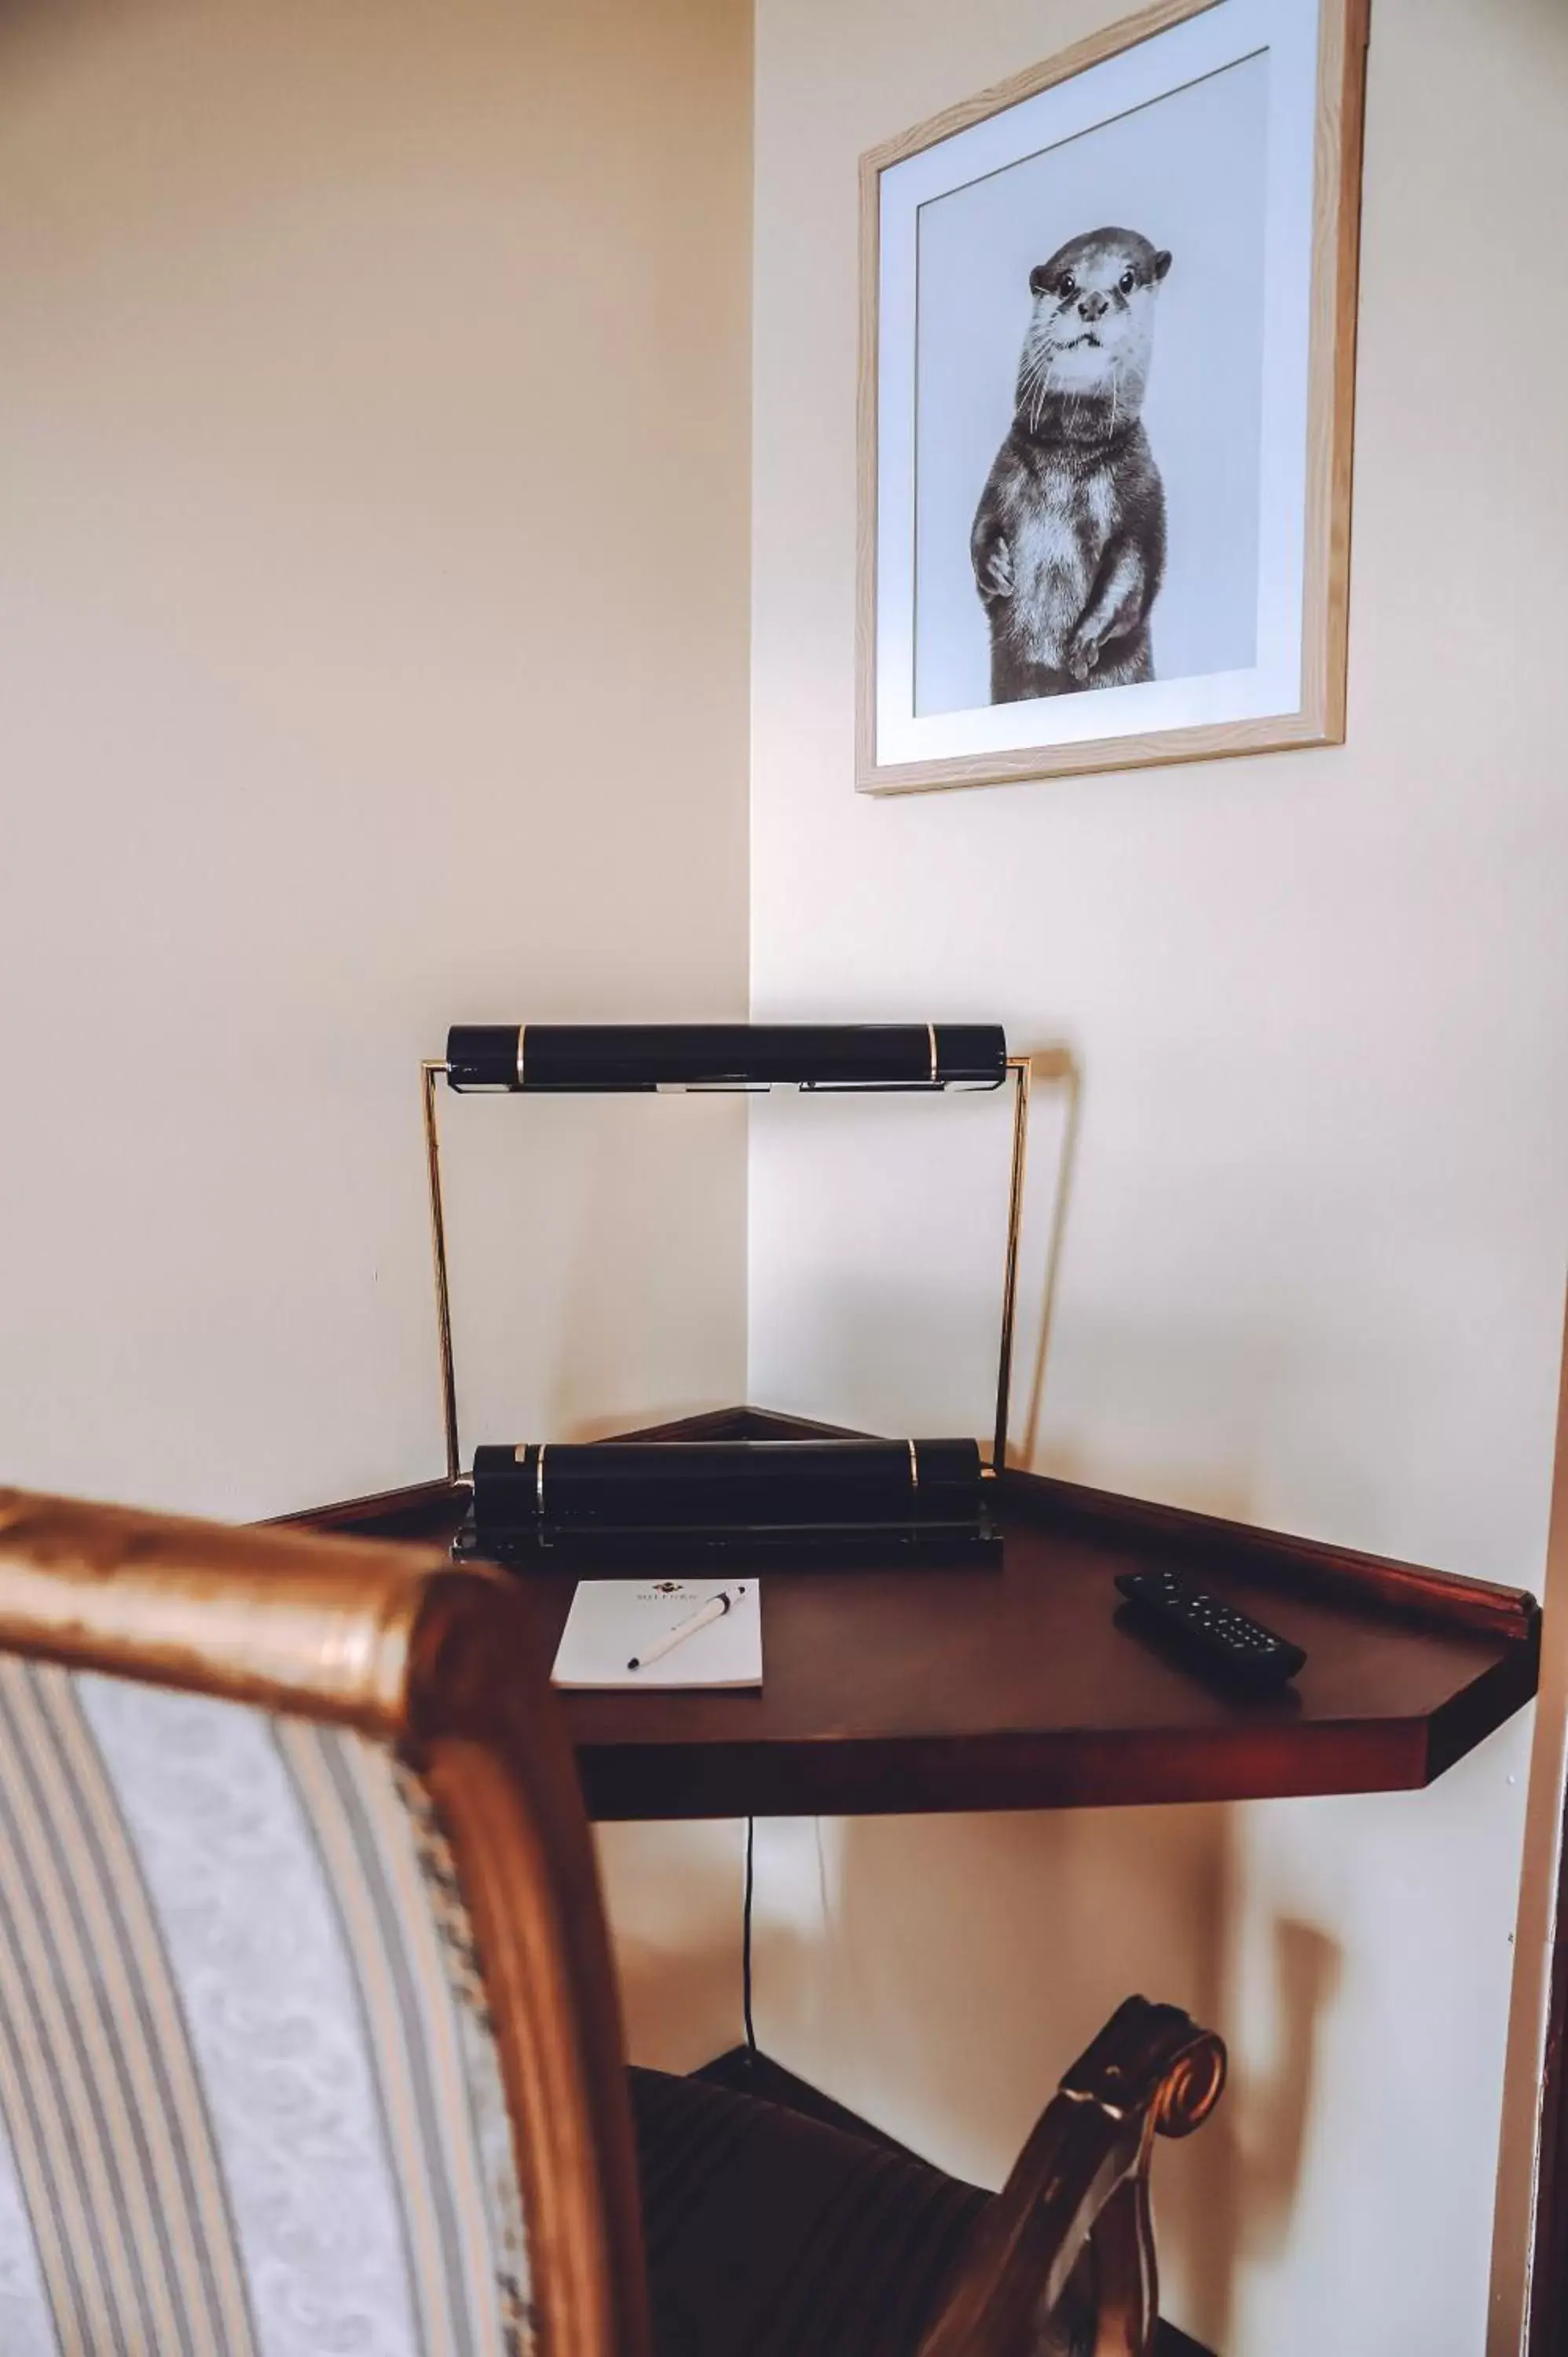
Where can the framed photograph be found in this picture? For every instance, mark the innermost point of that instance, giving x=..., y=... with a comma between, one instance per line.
x=1108, y=320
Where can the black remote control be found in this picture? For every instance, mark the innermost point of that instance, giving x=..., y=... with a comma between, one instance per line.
x=1215, y=1632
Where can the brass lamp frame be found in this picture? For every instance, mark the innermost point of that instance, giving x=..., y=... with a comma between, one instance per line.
x=1019, y=1071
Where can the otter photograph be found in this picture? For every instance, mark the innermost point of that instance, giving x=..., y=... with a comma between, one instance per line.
x=1068, y=541
x=1089, y=395
x=1107, y=312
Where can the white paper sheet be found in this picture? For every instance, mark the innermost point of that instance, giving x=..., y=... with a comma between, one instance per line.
x=613, y=1619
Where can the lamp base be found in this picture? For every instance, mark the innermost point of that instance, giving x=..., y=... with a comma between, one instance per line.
x=610, y=1553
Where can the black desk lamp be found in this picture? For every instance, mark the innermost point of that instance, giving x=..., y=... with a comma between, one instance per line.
x=638, y=1505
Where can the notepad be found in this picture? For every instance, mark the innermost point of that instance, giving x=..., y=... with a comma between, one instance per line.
x=613, y=1619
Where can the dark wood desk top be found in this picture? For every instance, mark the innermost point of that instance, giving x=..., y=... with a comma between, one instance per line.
x=910, y=1690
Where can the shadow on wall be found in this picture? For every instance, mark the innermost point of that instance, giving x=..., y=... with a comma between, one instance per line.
x=961, y=1963
x=894, y=1289
x=1060, y=1066
x=938, y=1973
x=673, y=1893
x=1274, y=2111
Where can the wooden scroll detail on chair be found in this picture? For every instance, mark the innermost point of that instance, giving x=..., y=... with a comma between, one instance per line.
x=442, y=1666
x=1077, y=2204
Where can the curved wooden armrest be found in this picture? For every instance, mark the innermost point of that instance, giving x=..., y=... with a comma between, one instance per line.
x=1078, y=2195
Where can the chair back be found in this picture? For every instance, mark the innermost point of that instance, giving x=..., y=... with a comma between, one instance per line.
x=309, y=2032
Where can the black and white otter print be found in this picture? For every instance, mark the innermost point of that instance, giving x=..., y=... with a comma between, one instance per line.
x=1068, y=543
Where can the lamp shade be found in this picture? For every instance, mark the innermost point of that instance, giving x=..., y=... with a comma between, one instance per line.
x=613, y=1057
x=738, y=1483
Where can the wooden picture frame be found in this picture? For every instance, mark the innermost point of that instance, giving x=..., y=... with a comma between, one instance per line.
x=928, y=715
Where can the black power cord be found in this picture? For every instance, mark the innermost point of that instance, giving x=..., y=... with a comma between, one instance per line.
x=745, y=1940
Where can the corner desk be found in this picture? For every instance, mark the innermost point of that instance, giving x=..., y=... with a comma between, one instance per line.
x=901, y=1692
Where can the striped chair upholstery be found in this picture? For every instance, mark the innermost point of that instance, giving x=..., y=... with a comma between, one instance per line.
x=250, y=2093
x=266, y=1802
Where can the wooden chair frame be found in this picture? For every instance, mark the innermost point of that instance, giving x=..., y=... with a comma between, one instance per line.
x=441, y=1664
x=1079, y=2193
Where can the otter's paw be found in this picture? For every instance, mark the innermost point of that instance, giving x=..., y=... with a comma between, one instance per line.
x=1082, y=657
x=993, y=574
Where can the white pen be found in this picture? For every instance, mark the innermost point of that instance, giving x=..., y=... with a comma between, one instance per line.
x=713, y=1609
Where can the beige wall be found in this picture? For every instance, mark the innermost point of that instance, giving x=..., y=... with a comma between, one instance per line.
x=374, y=558
x=373, y=523
x=373, y=542
x=1313, y=1260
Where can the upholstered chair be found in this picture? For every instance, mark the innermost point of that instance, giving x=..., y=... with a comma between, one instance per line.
x=308, y=2031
